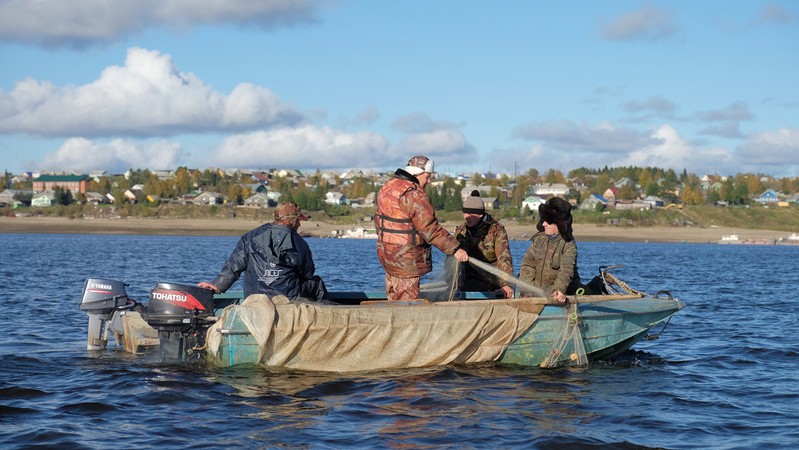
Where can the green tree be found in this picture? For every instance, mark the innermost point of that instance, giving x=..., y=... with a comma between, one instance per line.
x=652, y=189
x=62, y=196
x=554, y=176
x=183, y=183
x=688, y=195
x=139, y=176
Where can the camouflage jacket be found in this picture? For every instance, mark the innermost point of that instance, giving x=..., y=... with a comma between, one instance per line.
x=407, y=226
x=487, y=242
x=551, y=264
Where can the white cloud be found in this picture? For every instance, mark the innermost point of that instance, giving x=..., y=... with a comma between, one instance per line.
x=656, y=105
x=80, y=23
x=367, y=116
x=147, y=96
x=519, y=160
x=439, y=140
x=646, y=23
x=566, y=146
x=443, y=146
x=305, y=147
x=674, y=152
x=773, y=13
x=420, y=122
x=116, y=156
x=775, y=150
x=570, y=136
x=737, y=111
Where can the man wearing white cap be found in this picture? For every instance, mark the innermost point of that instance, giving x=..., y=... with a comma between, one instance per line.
x=407, y=226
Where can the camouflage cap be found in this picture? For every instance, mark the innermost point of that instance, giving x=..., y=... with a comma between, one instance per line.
x=420, y=164
x=289, y=211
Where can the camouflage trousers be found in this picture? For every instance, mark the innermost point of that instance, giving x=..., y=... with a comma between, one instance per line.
x=402, y=288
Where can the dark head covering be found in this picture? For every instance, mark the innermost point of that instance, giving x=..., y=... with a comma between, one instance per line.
x=473, y=204
x=556, y=211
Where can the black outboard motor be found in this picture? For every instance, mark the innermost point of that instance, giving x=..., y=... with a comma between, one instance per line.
x=101, y=299
x=182, y=314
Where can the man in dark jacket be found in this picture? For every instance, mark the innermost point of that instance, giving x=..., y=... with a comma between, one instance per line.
x=486, y=240
x=276, y=260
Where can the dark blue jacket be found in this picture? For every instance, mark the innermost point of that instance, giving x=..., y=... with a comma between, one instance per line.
x=275, y=260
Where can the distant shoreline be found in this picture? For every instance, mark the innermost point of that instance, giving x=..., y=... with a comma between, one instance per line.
x=236, y=227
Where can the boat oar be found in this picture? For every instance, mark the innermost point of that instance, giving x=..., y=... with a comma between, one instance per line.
x=434, y=286
x=507, y=278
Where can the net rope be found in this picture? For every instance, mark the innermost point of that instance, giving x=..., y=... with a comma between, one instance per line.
x=571, y=342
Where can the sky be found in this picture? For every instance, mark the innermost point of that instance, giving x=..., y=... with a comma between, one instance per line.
x=711, y=87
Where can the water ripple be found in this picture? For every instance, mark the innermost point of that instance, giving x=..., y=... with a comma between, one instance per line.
x=722, y=375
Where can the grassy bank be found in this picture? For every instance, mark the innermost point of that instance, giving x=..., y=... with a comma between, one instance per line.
x=754, y=217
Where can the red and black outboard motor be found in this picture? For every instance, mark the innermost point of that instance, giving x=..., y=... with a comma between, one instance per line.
x=182, y=314
x=102, y=299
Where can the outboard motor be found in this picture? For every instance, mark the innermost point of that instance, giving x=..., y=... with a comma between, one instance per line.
x=182, y=314
x=101, y=299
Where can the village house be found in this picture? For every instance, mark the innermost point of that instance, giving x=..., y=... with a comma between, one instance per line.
x=622, y=182
x=579, y=184
x=553, y=189
x=208, y=199
x=336, y=198
x=485, y=190
x=97, y=175
x=632, y=204
x=259, y=200
x=769, y=196
x=95, y=198
x=533, y=202
x=75, y=183
x=591, y=202
x=610, y=196
x=490, y=203
x=370, y=199
x=654, y=201
x=43, y=199
x=134, y=195
x=15, y=197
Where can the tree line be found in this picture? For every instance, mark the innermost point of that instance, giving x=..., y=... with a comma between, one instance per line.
x=309, y=192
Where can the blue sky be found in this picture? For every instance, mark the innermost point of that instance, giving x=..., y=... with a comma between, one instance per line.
x=708, y=86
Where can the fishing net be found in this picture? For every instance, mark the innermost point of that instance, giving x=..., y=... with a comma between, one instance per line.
x=570, y=351
x=443, y=286
x=525, y=289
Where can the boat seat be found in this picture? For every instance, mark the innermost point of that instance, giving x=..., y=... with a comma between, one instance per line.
x=418, y=301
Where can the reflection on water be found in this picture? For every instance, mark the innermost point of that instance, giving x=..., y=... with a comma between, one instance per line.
x=400, y=406
x=724, y=371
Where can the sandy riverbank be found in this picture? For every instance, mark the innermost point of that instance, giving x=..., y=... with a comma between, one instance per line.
x=235, y=227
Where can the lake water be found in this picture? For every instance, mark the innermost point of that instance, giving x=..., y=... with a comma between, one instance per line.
x=724, y=374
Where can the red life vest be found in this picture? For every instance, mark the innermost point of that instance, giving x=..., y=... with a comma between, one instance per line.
x=393, y=225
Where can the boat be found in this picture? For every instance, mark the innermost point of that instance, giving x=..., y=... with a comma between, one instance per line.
x=360, y=233
x=734, y=239
x=792, y=239
x=362, y=331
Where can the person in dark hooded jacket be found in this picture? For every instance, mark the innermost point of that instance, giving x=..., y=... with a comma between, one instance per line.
x=275, y=259
x=551, y=261
x=486, y=240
